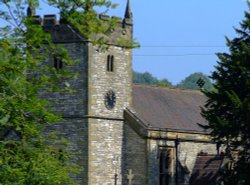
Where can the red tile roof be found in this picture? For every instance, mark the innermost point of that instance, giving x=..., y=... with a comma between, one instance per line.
x=168, y=108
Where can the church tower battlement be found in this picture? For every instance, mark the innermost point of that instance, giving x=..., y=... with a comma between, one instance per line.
x=62, y=32
x=93, y=115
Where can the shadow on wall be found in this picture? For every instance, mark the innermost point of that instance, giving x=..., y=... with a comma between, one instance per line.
x=184, y=174
x=206, y=169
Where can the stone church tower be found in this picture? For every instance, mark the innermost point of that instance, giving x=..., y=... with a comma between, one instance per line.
x=93, y=116
x=152, y=140
x=109, y=93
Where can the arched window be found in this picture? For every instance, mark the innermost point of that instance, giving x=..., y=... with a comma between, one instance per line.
x=110, y=63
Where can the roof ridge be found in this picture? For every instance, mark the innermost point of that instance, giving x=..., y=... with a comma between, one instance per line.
x=166, y=87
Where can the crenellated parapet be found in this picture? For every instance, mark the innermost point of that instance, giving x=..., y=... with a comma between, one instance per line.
x=51, y=20
x=123, y=21
x=63, y=32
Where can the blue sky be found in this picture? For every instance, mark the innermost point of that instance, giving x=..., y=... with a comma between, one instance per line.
x=179, y=37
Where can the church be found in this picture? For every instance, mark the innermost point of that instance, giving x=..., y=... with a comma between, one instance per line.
x=125, y=133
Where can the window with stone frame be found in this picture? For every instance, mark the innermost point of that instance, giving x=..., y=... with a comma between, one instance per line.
x=110, y=63
x=166, y=165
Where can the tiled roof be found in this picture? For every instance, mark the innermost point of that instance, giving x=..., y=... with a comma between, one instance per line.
x=206, y=170
x=168, y=108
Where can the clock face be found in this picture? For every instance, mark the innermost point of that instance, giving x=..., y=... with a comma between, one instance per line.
x=110, y=99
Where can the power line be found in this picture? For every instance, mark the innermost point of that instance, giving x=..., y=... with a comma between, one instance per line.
x=183, y=46
x=174, y=55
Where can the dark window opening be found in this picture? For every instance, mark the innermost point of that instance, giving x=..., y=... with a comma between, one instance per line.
x=166, y=165
x=110, y=63
x=58, y=64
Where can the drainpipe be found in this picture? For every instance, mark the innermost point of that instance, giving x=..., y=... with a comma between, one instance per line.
x=177, y=142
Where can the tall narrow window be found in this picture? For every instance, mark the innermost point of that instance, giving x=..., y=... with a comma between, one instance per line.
x=58, y=64
x=166, y=165
x=110, y=63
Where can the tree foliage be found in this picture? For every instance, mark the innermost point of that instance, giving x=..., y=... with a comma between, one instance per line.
x=25, y=156
x=147, y=78
x=190, y=82
x=28, y=154
x=83, y=16
x=227, y=109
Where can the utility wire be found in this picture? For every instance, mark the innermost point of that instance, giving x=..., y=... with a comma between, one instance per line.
x=173, y=55
x=183, y=46
x=178, y=46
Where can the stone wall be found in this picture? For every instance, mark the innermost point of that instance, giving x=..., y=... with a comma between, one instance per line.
x=100, y=81
x=72, y=107
x=105, y=152
x=106, y=125
x=71, y=104
x=135, y=156
x=187, y=153
x=75, y=131
x=153, y=162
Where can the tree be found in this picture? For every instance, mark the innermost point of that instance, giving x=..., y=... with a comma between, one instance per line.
x=164, y=83
x=190, y=82
x=147, y=78
x=143, y=78
x=28, y=155
x=25, y=156
x=227, y=108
